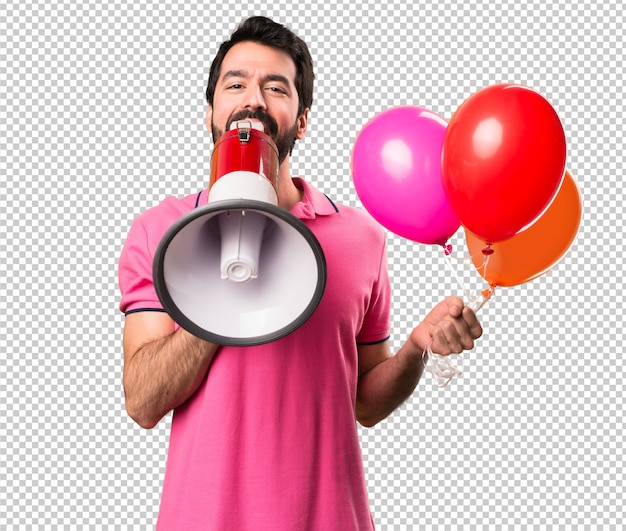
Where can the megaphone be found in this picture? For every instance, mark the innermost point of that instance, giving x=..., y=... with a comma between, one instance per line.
x=240, y=270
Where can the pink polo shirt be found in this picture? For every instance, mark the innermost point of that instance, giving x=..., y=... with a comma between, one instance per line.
x=269, y=441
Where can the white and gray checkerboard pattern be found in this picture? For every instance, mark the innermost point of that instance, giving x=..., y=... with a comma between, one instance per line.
x=101, y=116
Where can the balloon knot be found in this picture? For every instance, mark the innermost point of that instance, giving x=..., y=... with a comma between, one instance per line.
x=447, y=249
x=488, y=251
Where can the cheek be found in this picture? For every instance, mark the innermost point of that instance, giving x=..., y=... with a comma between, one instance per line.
x=220, y=119
x=222, y=110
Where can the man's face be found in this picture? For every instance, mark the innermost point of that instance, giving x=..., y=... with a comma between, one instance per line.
x=257, y=82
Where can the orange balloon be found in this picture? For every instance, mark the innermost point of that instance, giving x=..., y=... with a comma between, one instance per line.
x=535, y=249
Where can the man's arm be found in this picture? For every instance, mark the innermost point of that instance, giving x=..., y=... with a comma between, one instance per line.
x=386, y=381
x=162, y=367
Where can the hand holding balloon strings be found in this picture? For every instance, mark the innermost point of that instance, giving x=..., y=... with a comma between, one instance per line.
x=445, y=368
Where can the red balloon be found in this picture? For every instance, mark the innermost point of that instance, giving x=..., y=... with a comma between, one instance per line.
x=503, y=160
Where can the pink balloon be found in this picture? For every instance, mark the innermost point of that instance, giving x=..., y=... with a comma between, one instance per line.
x=396, y=169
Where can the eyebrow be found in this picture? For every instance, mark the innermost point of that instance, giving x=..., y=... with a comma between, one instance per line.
x=245, y=75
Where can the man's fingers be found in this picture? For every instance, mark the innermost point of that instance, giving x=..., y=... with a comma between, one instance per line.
x=454, y=335
x=473, y=324
x=446, y=339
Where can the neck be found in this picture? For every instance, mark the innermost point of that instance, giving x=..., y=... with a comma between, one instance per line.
x=288, y=193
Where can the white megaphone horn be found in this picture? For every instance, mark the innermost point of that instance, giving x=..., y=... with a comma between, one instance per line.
x=240, y=270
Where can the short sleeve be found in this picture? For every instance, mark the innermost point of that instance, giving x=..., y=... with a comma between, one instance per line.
x=135, y=271
x=376, y=322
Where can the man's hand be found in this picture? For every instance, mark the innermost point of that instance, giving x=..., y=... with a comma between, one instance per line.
x=451, y=326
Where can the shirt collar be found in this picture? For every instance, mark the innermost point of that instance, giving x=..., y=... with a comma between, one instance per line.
x=313, y=203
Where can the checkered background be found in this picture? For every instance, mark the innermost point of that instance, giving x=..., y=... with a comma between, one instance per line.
x=101, y=116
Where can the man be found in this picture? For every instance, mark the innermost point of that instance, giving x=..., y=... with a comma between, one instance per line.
x=264, y=437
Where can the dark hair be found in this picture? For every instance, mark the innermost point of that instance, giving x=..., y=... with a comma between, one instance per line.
x=267, y=32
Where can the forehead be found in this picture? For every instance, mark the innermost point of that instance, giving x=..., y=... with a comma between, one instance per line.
x=255, y=59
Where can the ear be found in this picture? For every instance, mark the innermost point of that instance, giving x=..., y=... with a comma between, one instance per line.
x=302, y=124
x=207, y=118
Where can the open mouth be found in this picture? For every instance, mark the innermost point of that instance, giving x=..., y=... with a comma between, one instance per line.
x=269, y=125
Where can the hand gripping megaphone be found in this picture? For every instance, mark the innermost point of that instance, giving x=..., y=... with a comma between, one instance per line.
x=240, y=270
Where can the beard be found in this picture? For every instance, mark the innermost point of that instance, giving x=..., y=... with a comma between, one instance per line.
x=284, y=141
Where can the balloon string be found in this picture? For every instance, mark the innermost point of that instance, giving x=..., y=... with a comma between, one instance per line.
x=441, y=367
x=485, y=264
x=444, y=368
x=468, y=295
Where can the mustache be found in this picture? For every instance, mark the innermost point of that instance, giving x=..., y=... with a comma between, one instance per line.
x=269, y=122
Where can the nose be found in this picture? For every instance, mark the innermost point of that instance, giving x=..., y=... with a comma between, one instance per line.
x=254, y=99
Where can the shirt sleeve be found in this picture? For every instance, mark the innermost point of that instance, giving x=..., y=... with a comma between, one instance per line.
x=135, y=272
x=376, y=323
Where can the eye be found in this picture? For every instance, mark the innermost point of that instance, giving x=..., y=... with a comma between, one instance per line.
x=277, y=90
